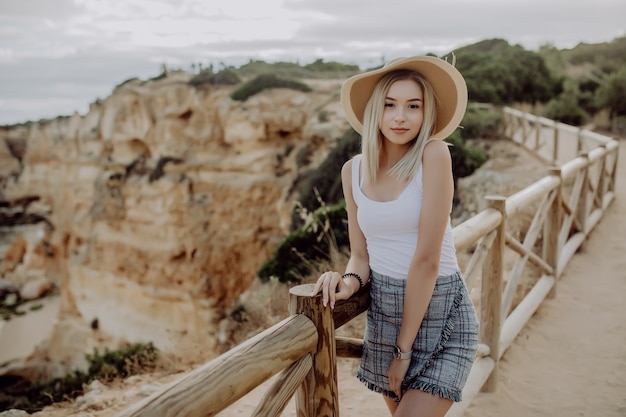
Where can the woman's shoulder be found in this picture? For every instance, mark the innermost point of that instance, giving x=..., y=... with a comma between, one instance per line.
x=348, y=166
x=435, y=149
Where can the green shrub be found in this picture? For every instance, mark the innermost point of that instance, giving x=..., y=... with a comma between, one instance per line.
x=325, y=181
x=316, y=69
x=500, y=73
x=565, y=107
x=284, y=69
x=202, y=78
x=481, y=122
x=323, y=230
x=130, y=80
x=227, y=76
x=264, y=82
x=31, y=397
x=319, y=66
x=465, y=159
x=612, y=93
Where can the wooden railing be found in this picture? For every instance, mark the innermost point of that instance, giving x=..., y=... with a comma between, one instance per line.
x=562, y=208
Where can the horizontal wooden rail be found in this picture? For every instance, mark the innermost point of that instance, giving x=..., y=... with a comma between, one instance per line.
x=280, y=393
x=212, y=387
x=470, y=231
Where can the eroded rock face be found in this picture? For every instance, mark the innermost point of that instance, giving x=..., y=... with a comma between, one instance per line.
x=163, y=201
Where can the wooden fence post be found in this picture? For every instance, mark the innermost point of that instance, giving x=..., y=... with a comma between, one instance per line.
x=602, y=185
x=551, y=231
x=555, y=150
x=614, y=171
x=582, y=209
x=491, y=293
x=318, y=396
x=537, y=134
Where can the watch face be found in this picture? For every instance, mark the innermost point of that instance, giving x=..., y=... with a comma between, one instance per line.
x=398, y=354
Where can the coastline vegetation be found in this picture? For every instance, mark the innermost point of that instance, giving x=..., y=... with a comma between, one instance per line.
x=133, y=359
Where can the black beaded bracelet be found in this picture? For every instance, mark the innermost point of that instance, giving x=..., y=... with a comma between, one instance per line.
x=357, y=276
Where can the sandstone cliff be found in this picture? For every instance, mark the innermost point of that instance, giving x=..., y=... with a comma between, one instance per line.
x=159, y=205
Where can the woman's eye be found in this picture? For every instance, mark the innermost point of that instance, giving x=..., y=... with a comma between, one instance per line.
x=388, y=104
x=414, y=106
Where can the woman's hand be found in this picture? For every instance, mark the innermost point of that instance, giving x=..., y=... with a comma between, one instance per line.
x=397, y=371
x=333, y=288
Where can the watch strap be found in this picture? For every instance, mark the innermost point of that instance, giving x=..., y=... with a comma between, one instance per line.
x=402, y=355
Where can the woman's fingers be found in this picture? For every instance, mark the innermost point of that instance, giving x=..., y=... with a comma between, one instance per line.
x=394, y=384
x=318, y=286
x=396, y=373
x=329, y=289
x=328, y=283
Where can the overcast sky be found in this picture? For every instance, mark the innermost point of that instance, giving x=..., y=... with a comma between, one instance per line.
x=57, y=56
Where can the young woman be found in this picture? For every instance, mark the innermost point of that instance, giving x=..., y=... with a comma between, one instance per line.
x=422, y=331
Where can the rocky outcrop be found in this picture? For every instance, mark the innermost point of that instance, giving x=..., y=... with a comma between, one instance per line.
x=161, y=202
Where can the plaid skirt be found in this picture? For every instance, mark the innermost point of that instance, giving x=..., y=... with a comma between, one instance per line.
x=444, y=348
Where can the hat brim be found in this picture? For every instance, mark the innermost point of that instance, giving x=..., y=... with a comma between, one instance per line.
x=447, y=83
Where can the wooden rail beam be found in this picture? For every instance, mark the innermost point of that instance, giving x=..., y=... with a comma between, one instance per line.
x=349, y=347
x=551, y=248
x=491, y=292
x=518, y=247
x=529, y=241
x=212, y=387
x=277, y=397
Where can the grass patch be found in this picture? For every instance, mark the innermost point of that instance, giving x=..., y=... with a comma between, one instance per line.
x=264, y=82
x=17, y=393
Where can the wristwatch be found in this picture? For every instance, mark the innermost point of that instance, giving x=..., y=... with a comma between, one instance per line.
x=398, y=354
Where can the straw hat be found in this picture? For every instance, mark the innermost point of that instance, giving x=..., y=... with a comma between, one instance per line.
x=447, y=82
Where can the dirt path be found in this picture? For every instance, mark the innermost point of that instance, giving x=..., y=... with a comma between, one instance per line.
x=570, y=360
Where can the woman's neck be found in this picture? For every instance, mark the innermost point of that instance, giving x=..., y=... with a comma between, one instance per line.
x=390, y=154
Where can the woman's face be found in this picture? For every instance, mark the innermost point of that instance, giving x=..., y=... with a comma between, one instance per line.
x=403, y=114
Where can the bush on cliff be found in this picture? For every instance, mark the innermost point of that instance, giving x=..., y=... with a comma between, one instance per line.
x=324, y=183
x=465, y=159
x=480, y=121
x=264, y=82
x=227, y=76
x=565, y=107
x=31, y=397
x=317, y=69
x=324, y=232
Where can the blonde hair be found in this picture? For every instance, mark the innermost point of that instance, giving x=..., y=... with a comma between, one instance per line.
x=372, y=138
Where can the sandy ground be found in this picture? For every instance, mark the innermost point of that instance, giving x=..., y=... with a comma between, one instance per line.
x=570, y=359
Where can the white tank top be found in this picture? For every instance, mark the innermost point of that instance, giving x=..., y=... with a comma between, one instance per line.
x=391, y=228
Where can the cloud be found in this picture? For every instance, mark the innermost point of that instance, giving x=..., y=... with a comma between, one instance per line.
x=58, y=56
x=447, y=22
x=57, y=9
x=40, y=87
